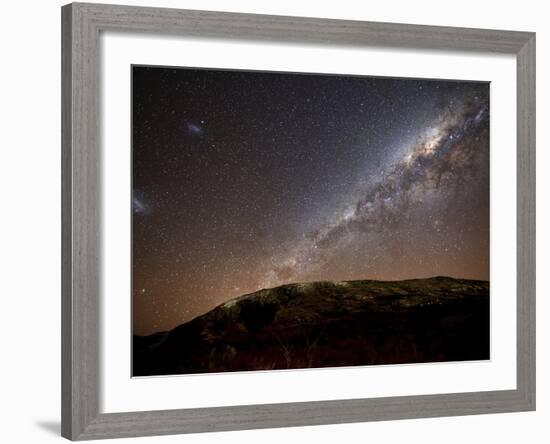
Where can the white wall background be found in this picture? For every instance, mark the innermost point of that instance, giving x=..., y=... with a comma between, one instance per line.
x=30, y=221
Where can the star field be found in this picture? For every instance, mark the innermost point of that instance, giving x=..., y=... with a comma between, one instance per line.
x=248, y=180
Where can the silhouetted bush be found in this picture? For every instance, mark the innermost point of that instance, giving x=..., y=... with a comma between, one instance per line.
x=256, y=315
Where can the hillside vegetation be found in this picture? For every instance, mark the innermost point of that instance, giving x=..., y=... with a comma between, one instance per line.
x=327, y=324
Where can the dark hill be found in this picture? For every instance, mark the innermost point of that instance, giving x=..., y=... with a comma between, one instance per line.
x=327, y=324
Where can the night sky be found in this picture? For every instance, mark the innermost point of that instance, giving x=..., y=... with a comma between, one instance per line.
x=248, y=180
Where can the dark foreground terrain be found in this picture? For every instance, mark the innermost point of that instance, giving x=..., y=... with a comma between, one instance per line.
x=327, y=324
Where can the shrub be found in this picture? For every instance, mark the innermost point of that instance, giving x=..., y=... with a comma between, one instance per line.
x=256, y=314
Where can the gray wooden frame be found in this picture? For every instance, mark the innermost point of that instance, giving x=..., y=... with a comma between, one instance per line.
x=81, y=26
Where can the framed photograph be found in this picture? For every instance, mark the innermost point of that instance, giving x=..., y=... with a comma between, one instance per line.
x=280, y=221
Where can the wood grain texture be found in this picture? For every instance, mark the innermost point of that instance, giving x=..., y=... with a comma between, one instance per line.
x=81, y=222
x=118, y=425
x=66, y=223
x=81, y=234
x=301, y=29
x=526, y=221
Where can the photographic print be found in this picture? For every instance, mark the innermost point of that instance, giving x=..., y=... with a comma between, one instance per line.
x=292, y=221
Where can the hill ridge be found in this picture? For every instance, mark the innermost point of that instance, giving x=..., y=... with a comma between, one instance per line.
x=351, y=312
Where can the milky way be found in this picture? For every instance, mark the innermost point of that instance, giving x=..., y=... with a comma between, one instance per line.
x=435, y=167
x=248, y=180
